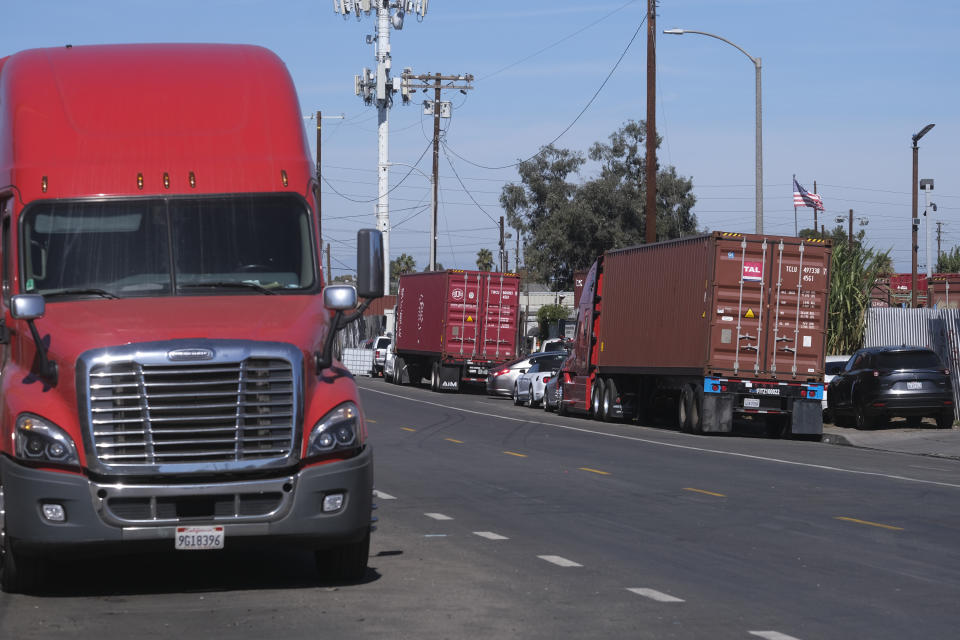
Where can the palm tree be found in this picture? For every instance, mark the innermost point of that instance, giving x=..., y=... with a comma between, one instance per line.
x=485, y=260
x=398, y=267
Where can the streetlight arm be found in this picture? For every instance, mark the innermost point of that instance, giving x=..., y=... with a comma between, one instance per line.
x=680, y=32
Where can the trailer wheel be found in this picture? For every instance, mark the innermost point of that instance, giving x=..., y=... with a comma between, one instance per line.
x=609, y=399
x=398, y=366
x=596, y=399
x=695, y=410
x=683, y=409
x=435, y=377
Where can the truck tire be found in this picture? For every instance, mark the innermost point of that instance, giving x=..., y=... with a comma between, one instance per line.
x=609, y=399
x=398, y=367
x=18, y=573
x=435, y=377
x=695, y=410
x=347, y=563
x=683, y=409
x=596, y=399
x=945, y=420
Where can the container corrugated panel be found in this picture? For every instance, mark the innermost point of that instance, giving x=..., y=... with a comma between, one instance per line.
x=937, y=329
x=481, y=316
x=421, y=307
x=719, y=304
x=463, y=315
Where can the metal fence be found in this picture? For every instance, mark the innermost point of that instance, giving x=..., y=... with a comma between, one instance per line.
x=938, y=329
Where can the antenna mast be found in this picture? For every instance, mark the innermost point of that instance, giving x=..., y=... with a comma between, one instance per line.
x=378, y=87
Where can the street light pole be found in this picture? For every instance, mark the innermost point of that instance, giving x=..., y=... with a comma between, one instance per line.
x=759, y=121
x=913, y=216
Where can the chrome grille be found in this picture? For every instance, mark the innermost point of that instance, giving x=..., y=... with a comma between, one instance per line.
x=210, y=412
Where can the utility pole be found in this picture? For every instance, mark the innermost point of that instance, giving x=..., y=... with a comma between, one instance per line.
x=378, y=87
x=815, y=211
x=502, y=263
x=438, y=109
x=318, y=190
x=650, y=179
x=939, y=225
x=329, y=270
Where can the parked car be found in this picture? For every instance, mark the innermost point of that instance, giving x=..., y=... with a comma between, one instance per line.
x=500, y=381
x=878, y=383
x=551, y=394
x=388, y=362
x=529, y=387
x=831, y=368
x=379, y=345
x=556, y=344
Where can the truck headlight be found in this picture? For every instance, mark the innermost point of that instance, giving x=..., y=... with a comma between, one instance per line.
x=339, y=430
x=40, y=440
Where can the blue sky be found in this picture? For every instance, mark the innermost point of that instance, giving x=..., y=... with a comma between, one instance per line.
x=845, y=85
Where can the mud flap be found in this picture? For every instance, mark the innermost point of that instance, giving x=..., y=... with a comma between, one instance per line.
x=450, y=378
x=807, y=417
x=717, y=412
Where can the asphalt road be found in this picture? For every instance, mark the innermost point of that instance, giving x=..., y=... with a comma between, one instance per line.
x=502, y=521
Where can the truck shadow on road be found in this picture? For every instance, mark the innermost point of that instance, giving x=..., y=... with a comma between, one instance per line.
x=190, y=572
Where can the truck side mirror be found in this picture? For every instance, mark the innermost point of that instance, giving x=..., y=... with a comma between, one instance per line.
x=369, y=263
x=28, y=306
x=339, y=297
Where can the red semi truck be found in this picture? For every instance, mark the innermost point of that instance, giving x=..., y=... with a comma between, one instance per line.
x=165, y=335
x=707, y=328
x=453, y=326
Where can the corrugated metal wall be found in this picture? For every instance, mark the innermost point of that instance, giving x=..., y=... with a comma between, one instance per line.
x=938, y=329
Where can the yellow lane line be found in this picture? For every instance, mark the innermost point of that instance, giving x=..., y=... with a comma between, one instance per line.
x=408, y=429
x=373, y=421
x=872, y=524
x=512, y=453
x=454, y=441
x=709, y=493
x=602, y=473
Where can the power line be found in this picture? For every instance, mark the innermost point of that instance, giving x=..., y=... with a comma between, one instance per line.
x=579, y=115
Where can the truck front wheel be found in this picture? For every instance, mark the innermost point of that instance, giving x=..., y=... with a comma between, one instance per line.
x=18, y=573
x=347, y=563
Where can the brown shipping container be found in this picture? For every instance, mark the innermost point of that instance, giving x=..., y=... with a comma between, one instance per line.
x=723, y=304
x=458, y=315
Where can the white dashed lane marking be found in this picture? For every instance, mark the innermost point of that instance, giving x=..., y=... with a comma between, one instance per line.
x=438, y=516
x=382, y=495
x=653, y=594
x=772, y=635
x=560, y=562
x=490, y=535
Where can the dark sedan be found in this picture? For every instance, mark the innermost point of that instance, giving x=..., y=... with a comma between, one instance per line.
x=879, y=383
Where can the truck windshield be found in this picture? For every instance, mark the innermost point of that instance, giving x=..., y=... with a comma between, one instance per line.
x=248, y=244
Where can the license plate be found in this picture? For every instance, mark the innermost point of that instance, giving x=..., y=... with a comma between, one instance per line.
x=199, y=538
x=914, y=385
x=751, y=403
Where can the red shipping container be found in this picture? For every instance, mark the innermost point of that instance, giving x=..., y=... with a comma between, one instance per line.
x=458, y=316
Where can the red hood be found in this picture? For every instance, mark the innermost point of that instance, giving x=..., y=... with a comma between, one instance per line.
x=79, y=325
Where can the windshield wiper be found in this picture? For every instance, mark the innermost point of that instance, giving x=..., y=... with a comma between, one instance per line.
x=82, y=292
x=228, y=284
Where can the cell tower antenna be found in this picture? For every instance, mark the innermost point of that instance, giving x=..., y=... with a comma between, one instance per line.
x=377, y=87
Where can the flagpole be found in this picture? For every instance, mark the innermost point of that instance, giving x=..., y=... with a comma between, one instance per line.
x=815, y=227
x=795, y=232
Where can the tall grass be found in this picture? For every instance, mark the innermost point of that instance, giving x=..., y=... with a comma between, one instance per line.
x=854, y=270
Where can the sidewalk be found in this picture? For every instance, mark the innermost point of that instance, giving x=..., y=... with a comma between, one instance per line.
x=921, y=441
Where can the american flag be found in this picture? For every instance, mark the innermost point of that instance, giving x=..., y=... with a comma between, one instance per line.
x=802, y=198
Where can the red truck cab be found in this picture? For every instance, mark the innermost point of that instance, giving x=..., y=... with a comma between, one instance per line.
x=166, y=376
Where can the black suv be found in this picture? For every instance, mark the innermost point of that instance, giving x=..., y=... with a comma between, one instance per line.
x=881, y=382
